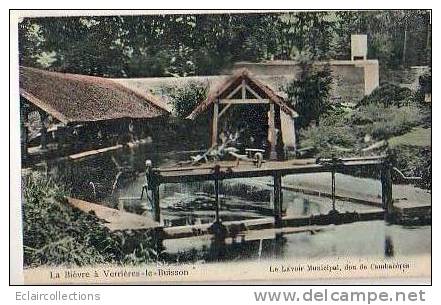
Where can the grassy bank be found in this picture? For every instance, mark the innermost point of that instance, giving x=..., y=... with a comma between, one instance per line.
x=419, y=136
x=389, y=121
x=56, y=234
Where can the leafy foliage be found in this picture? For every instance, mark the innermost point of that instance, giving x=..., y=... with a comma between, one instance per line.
x=396, y=37
x=205, y=44
x=415, y=162
x=302, y=32
x=388, y=95
x=425, y=86
x=342, y=132
x=309, y=95
x=186, y=98
x=425, y=82
x=382, y=122
x=332, y=137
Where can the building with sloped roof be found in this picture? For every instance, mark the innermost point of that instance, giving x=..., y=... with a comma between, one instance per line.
x=66, y=102
x=267, y=114
x=261, y=92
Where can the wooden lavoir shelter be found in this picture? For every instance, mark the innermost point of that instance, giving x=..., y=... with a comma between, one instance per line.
x=63, y=105
x=244, y=89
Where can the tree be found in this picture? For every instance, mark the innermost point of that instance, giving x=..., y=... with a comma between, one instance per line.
x=186, y=98
x=87, y=45
x=207, y=44
x=309, y=94
x=395, y=37
x=296, y=32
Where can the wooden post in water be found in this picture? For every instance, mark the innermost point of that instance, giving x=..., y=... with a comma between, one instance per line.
x=386, y=187
x=277, y=199
x=146, y=185
x=216, y=190
x=153, y=183
x=272, y=131
x=333, y=189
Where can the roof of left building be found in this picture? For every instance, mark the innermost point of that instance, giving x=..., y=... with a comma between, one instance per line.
x=74, y=98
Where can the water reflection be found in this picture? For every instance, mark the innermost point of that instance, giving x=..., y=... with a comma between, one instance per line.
x=388, y=247
x=361, y=239
x=306, y=209
x=215, y=249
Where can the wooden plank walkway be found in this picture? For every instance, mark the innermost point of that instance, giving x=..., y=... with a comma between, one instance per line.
x=230, y=169
x=114, y=220
x=221, y=170
x=94, y=152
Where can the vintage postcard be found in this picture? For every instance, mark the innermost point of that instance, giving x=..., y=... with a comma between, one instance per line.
x=221, y=147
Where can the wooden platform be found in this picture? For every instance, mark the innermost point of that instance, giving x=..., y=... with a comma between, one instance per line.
x=94, y=152
x=407, y=210
x=231, y=169
x=117, y=220
x=221, y=170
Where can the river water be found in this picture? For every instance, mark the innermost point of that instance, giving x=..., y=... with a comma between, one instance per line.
x=193, y=203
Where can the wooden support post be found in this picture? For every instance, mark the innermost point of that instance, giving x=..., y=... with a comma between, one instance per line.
x=43, y=130
x=216, y=190
x=155, y=197
x=24, y=130
x=146, y=186
x=215, y=121
x=386, y=187
x=244, y=90
x=333, y=190
x=272, y=132
x=277, y=200
x=60, y=137
x=154, y=184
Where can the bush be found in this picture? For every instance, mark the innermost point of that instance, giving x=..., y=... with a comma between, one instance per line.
x=383, y=122
x=425, y=87
x=415, y=162
x=425, y=82
x=309, y=95
x=332, y=137
x=56, y=234
x=388, y=95
x=185, y=99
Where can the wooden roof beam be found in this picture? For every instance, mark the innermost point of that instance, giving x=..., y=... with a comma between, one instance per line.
x=224, y=109
x=244, y=101
x=253, y=92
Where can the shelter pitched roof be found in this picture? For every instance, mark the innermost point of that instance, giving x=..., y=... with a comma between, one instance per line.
x=227, y=86
x=81, y=98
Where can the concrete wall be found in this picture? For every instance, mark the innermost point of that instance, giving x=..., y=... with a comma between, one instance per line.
x=352, y=79
x=359, y=47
